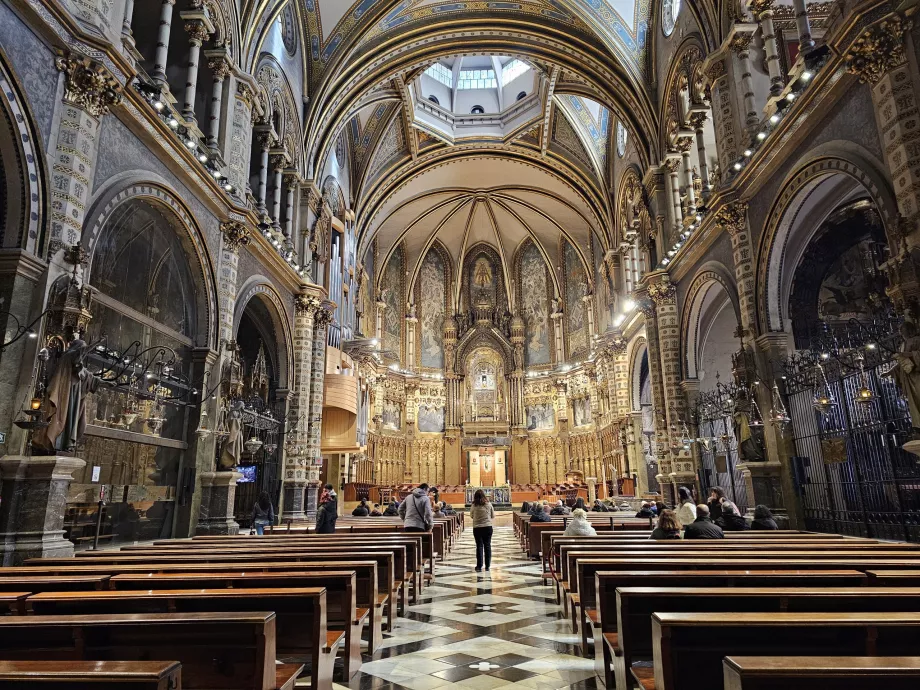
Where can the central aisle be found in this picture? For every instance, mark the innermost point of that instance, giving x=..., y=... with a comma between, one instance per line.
x=498, y=629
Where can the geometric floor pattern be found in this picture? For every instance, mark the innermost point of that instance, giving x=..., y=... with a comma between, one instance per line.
x=496, y=629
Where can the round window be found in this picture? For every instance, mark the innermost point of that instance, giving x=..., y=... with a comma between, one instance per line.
x=621, y=139
x=669, y=11
x=478, y=110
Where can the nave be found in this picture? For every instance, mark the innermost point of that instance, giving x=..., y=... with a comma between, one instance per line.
x=496, y=629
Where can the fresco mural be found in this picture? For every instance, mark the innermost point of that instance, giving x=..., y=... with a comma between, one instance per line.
x=541, y=417
x=432, y=280
x=431, y=419
x=576, y=287
x=392, y=415
x=581, y=411
x=535, y=306
x=393, y=296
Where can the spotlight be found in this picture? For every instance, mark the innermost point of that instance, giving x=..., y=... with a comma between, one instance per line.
x=158, y=105
x=747, y=153
x=699, y=217
x=871, y=346
x=203, y=158
x=761, y=136
x=32, y=335
x=665, y=262
x=174, y=123
x=190, y=143
x=737, y=166
x=774, y=118
x=825, y=355
x=228, y=187
x=629, y=304
x=217, y=174
x=670, y=252
x=807, y=75
x=790, y=97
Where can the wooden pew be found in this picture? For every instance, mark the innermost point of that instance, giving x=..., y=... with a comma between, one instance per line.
x=341, y=601
x=894, y=578
x=688, y=648
x=811, y=672
x=82, y=675
x=218, y=651
x=366, y=579
x=386, y=581
x=301, y=629
x=13, y=602
x=604, y=618
x=634, y=607
x=62, y=583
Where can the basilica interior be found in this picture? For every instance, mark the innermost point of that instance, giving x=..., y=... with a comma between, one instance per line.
x=619, y=251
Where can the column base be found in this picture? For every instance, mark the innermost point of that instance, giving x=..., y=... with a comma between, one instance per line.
x=34, y=498
x=764, y=484
x=293, y=502
x=218, y=497
x=311, y=499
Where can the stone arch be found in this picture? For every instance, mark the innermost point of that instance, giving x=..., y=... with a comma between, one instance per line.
x=638, y=350
x=121, y=191
x=830, y=175
x=257, y=287
x=711, y=276
x=23, y=176
x=334, y=197
x=682, y=75
x=280, y=100
x=484, y=337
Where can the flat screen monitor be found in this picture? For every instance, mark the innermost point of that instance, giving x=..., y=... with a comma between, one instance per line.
x=248, y=472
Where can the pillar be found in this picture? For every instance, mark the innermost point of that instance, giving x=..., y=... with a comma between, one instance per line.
x=723, y=113
x=697, y=119
x=33, y=500
x=296, y=459
x=740, y=45
x=411, y=337
x=558, y=338
x=127, y=34
x=288, y=230
x=89, y=91
x=219, y=64
x=218, y=498
x=806, y=42
x=763, y=11
x=684, y=144
x=162, y=52
x=672, y=165
x=197, y=34
x=314, y=453
x=265, y=144
x=278, y=163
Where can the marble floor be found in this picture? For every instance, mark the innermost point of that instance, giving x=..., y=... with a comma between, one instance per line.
x=496, y=629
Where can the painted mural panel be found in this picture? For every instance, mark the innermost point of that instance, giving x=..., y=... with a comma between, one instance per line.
x=432, y=284
x=535, y=306
x=392, y=415
x=576, y=287
x=541, y=417
x=581, y=409
x=393, y=296
x=483, y=280
x=430, y=419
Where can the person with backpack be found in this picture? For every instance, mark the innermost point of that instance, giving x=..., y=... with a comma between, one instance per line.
x=416, y=510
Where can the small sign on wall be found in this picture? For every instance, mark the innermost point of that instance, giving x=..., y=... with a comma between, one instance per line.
x=2, y=437
x=97, y=471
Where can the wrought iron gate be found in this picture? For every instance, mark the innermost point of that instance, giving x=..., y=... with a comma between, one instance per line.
x=718, y=445
x=851, y=473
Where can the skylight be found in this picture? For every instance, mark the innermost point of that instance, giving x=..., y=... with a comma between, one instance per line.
x=442, y=74
x=513, y=70
x=477, y=79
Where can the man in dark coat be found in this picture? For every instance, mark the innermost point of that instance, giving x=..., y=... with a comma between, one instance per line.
x=732, y=520
x=703, y=527
x=327, y=513
x=716, y=496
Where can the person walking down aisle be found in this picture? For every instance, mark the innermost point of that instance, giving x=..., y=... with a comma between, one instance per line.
x=263, y=513
x=482, y=514
x=327, y=513
x=416, y=510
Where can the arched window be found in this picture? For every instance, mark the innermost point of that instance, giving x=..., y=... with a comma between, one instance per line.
x=478, y=110
x=669, y=11
x=434, y=99
x=522, y=95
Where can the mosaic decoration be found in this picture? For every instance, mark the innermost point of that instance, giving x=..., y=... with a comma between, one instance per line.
x=392, y=293
x=576, y=287
x=430, y=419
x=535, y=306
x=595, y=124
x=566, y=138
x=541, y=417
x=432, y=279
x=289, y=29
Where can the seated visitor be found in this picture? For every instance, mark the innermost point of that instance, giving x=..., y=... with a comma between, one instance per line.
x=375, y=511
x=668, y=526
x=560, y=509
x=686, y=511
x=579, y=503
x=716, y=496
x=599, y=506
x=361, y=510
x=703, y=527
x=447, y=509
x=525, y=507
x=539, y=514
x=392, y=509
x=653, y=506
x=438, y=510
x=732, y=520
x=645, y=510
x=579, y=526
x=763, y=518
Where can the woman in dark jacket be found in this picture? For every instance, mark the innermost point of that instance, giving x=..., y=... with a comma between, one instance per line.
x=731, y=520
x=763, y=518
x=668, y=526
x=599, y=507
x=361, y=510
x=716, y=496
x=580, y=503
x=263, y=514
x=328, y=512
x=392, y=510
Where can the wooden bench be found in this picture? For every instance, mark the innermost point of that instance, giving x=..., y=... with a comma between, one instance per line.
x=635, y=605
x=301, y=630
x=81, y=675
x=894, y=578
x=366, y=596
x=63, y=583
x=688, y=648
x=813, y=672
x=341, y=599
x=603, y=619
x=13, y=602
x=218, y=651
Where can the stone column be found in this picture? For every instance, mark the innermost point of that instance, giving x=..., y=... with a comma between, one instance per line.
x=879, y=58
x=378, y=324
x=723, y=113
x=740, y=45
x=684, y=144
x=733, y=219
x=763, y=11
x=558, y=337
x=291, y=183
x=411, y=336
x=321, y=321
x=592, y=489
x=127, y=35
x=235, y=235
x=278, y=163
x=218, y=496
x=697, y=119
x=806, y=42
x=198, y=33
x=219, y=63
x=89, y=91
x=296, y=460
x=518, y=422
x=265, y=143
x=672, y=165
x=33, y=499
x=162, y=54
x=661, y=448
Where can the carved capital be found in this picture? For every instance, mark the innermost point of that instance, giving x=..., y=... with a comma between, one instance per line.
x=220, y=67
x=759, y=7
x=245, y=93
x=235, y=234
x=305, y=305
x=672, y=164
x=266, y=140
x=684, y=144
x=647, y=307
x=698, y=119
x=733, y=217
x=715, y=70
x=88, y=84
x=197, y=31
x=323, y=315
x=879, y=49
x=663, y=293
x=740, y=42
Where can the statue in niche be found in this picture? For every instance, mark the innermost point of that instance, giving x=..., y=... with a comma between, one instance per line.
x=232, y=450
x=482, y=279
x=65, y=399
x=906, y=373
x=750, y=447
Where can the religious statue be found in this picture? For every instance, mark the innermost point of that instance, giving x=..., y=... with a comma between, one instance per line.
x=906, y=372
x=232, y=450
x=750, y=448
x=65, y=400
